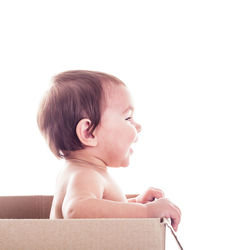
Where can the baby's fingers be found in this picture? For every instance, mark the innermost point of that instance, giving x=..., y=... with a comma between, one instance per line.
x=179, y=211
x=175, y=216
x=175, y=222
x=155, y=193
x=159, y=193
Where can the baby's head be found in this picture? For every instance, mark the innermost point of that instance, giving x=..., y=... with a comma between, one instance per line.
x=84, y=109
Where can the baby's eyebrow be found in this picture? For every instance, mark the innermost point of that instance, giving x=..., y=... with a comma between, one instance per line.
x=128, y=109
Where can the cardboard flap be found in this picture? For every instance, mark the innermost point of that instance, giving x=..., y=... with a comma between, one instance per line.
x=25, y=207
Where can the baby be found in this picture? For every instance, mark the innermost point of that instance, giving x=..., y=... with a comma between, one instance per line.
x=87, y=119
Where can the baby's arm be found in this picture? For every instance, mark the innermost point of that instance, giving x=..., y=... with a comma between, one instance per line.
x=131, y=197
x=148, y=196
x=83, y=199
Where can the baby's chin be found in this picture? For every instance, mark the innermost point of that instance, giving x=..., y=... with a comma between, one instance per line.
x=125, y=162
x=122, y=163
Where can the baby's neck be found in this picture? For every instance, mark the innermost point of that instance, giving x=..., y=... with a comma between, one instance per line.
x=81, y=158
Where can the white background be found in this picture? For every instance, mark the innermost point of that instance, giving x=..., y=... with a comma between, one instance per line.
x=187, y=66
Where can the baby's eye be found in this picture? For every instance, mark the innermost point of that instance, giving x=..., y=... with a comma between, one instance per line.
x=129, y=118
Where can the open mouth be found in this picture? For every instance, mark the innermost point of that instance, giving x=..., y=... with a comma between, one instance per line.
x=131, y=149
x=136, y=139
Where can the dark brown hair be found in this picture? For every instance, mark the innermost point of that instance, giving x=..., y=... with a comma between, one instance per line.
x=74, y=95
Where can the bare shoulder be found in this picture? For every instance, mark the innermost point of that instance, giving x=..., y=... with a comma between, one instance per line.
x=74, y=183
x=82, y=184
x=85, y=183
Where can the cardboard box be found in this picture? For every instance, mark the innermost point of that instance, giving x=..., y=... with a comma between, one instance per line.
x=25, y=224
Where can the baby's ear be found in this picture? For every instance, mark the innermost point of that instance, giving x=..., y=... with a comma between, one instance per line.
x=83, y=134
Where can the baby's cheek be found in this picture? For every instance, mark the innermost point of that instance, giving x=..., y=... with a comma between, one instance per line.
x=126, y=138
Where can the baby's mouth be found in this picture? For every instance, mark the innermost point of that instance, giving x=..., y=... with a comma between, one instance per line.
x=136, y=139
x=132, y=145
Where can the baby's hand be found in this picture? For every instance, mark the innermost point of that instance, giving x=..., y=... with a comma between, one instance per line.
x=164, y=208
x=150, y=195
